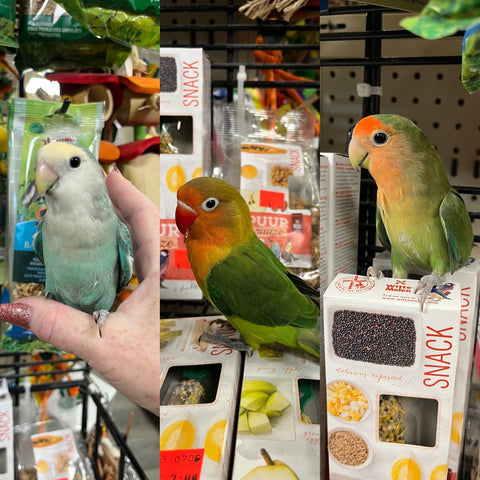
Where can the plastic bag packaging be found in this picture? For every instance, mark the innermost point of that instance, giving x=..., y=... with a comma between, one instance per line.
x=128, y=22
x=48, y=450
x=7, y=24
x=32, y=124
x=441, y=18
x=279, y=181
x=50, y=38
x=471, y=59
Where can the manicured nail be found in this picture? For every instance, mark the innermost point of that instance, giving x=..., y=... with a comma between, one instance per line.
x=16, y=313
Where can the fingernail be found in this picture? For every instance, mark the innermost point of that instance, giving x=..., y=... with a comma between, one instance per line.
x=16, y=313
x=115, y=168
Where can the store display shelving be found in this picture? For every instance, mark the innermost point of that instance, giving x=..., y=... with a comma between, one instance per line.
x=365, y=44
x=16, y=366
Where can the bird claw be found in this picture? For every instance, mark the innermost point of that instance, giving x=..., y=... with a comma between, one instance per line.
x=371, y=272
x=425, y=286
x=100, y=316
x=232, y=343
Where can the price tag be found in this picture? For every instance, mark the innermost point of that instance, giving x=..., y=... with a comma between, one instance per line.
x=275, y=200
x=181, y=464
x=180, y=259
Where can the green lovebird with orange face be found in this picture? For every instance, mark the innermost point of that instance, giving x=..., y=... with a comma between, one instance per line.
x=420, y=217
x=239, y=275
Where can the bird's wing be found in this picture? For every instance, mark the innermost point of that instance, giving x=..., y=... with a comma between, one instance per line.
x=457, y=228
x=124, y=245
x=251, y=283
x=382, y=232
x=38, y=241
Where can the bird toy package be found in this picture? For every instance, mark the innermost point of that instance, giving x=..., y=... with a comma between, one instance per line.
x=33, y=124
x=391, y=374
x=279, y=182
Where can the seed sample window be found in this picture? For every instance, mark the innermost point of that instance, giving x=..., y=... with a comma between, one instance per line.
x=309, y=400
x=407, y=420
x=190, y=385
x=176, y=134
x=374, y=338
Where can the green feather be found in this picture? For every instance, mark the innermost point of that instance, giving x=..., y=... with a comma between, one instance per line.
x=263, y=301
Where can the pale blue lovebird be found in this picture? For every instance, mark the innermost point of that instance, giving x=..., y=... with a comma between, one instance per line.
x=86, y=249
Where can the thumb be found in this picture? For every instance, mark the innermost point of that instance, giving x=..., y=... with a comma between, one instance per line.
x=62, y=326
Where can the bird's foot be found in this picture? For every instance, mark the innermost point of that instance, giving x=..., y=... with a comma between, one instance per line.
x=232, y=343
x=425, y=286
x=371, y=272
x=100, y=316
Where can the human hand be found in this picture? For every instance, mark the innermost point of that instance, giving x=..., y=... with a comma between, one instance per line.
x=128, y=353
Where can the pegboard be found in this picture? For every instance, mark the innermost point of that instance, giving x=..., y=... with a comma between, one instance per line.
x=430, y=95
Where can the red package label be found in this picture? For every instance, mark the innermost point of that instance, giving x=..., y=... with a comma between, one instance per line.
x=274, y=200
x=181, y=464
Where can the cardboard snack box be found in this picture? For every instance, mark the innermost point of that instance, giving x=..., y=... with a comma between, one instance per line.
x=468, y=278
x=184, y=154
x=281, y=424
x=199, y=384
x=390, y=374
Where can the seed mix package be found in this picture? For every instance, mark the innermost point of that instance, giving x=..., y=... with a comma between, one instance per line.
x=184, y=154
x=390, y=375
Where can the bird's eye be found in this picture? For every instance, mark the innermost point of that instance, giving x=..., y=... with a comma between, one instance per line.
x=379, y=138
x=210, y=204
x=75, y=162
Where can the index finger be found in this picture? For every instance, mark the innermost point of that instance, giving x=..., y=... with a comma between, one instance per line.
x=142, y=218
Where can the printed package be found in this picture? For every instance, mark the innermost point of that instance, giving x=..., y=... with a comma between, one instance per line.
x=184, y=154
x=468, y=278
x=7, y=465
x=339, y=203
x=281, y=423
x=199, y=383
x=390, y=374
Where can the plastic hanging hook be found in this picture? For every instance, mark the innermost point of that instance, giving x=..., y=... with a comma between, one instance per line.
x=63, y=109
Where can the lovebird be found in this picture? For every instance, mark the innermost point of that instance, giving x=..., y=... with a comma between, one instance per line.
x=420, y=217
x=239, y=275
x=86, y=249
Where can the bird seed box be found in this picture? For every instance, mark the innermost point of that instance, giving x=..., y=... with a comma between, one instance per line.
x=339, y=203
x=199, y=383
x=468, y=278
x=390, y=374
x=281, y=424
x=184, y=154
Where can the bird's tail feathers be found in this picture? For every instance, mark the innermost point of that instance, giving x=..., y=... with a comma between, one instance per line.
x=310, y=341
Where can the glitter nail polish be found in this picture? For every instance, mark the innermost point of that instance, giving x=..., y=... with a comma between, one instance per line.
x=16, y=313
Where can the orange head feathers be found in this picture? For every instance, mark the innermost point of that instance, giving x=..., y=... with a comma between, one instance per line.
x=210, y=209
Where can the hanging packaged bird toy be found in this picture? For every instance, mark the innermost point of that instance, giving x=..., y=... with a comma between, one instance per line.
x=31, y=125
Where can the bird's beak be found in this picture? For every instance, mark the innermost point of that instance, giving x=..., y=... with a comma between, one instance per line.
x=184, y=216
x=45, y=178
x=358, y=156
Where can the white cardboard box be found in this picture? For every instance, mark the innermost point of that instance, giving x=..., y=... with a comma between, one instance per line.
x=7, y=466
x=197, y=439
x=381, y=351
x=185, y=116
x=297, y=444
x=339, y=203
x=468, y=278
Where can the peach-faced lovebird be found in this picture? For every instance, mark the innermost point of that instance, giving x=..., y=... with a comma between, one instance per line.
x=239, y=274
x=420, y=217
x=86, y=249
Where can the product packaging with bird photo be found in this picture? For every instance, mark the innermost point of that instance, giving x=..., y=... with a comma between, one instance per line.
x=31, y=125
